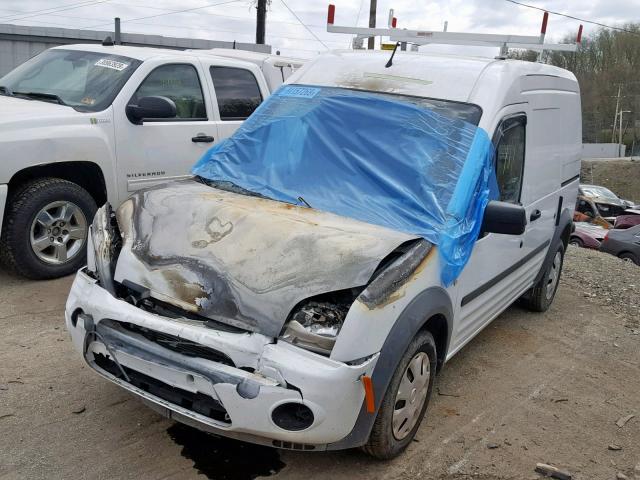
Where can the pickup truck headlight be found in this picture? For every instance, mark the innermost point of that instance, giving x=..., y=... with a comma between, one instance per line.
x=315, y=325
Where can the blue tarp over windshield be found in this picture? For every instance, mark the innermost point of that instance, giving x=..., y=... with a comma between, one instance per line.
x=366, y=156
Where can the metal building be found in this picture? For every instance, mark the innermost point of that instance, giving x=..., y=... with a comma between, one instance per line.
x=19, y=43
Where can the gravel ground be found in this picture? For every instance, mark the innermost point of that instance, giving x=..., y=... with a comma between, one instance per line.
x=529, y=388
x=606, y=280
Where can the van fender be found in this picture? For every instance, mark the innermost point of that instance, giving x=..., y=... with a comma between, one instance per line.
x=564, y=219
x=427, y=304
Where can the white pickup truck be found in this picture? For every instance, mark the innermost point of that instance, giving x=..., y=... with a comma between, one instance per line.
x=84, y=124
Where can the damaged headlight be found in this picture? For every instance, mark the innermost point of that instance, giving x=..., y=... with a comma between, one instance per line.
x=315, y=325
x=103, y=245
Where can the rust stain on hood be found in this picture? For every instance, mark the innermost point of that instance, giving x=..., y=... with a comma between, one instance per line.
x=242, y=260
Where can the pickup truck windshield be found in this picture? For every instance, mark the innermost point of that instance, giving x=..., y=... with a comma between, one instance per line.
x=86, y=81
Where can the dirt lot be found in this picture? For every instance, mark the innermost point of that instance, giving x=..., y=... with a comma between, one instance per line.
x=530, y=388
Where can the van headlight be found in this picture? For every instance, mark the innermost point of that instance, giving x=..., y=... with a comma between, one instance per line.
x=91, y=253
x=315, y=325
x=103, y=244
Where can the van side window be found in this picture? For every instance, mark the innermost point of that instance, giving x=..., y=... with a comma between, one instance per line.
x=237, y=92
x=510, y=157
x=180, y=83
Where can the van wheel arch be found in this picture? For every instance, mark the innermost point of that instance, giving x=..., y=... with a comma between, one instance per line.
x=430, y=311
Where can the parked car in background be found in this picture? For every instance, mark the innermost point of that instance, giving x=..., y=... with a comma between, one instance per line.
x=609, y=205
x=587, y=235
x=623, y=243
x=587, y=212
x=626, y=221
x=84, y=124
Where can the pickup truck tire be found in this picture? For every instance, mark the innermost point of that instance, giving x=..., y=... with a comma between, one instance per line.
x=541, y=296
x=405, y=401
x=44, y=229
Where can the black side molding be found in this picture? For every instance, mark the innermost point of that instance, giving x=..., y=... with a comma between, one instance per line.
x=571, y=180
x=501, y=276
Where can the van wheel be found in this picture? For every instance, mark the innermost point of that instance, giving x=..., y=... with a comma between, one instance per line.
x=405, y=401
x=44, y=233
x=540, y=297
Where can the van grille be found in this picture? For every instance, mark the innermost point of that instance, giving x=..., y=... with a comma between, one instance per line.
x=179, y=345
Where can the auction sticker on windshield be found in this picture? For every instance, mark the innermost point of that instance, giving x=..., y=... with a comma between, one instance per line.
x=105, y=62
x=302, y=92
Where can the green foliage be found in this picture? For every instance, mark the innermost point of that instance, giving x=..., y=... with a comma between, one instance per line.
x=605, y=60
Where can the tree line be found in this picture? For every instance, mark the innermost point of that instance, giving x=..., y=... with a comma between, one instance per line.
x=606, y=61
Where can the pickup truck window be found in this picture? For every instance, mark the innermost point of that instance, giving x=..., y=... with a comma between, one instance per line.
x=86, y=81
x=180, y=83
x=237, y=92
x=510, y=158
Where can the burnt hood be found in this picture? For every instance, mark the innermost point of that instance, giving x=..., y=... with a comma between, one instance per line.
x=242, y=260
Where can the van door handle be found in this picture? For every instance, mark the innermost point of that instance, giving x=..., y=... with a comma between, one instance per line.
x=536, y=214
x=202, y=139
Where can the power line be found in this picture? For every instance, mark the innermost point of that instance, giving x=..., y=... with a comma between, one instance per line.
x=38, y=13
x=304, y=25
x=173, y=12
x=572, y=17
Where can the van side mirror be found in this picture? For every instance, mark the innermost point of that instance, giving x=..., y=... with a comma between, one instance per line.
x=150, y=107
x=505, y=218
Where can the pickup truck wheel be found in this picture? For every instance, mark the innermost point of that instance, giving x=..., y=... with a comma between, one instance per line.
x=540, y=297
x=405, y=401
x=44, y=233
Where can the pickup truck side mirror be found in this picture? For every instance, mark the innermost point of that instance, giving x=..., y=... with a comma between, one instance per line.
x=505, y=218
x=150, y=107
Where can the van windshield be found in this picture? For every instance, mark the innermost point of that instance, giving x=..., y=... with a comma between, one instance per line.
x=468, y=112
x=86, y=81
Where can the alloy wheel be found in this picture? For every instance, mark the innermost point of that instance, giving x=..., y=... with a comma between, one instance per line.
x=58, y=232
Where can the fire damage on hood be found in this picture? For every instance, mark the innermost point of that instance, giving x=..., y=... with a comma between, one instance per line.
x=236, y=261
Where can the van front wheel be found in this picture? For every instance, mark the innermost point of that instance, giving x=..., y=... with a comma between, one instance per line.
x=540, y=297
x=405, y=401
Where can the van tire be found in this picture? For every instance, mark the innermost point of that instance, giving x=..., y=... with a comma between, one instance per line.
x=382, y=443
x=16, y=251
x=541, y=296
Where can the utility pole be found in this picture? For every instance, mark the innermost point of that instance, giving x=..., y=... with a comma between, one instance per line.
x=372, y=23
x=116, y=31
x=261, y=21
x=615, y=117
x=620, y=129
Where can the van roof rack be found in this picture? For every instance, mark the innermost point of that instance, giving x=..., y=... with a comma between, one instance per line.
x=425, y=37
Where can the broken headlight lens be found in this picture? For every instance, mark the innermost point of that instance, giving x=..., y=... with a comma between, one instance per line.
x=315, y=325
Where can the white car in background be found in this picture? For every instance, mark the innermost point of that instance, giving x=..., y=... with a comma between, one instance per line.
x=84, y=124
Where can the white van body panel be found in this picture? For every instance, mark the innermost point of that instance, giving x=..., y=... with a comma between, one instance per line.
x=546, y=103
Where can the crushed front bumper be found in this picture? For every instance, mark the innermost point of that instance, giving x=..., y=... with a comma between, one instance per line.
x=227, y=383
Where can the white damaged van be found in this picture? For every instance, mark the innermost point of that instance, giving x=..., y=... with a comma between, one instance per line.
x=276, y=300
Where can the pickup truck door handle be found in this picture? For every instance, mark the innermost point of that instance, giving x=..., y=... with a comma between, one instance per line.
x=536, y=214
x=202, y=139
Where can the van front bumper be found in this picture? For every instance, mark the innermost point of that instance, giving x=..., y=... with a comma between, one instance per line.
x=231, y=389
